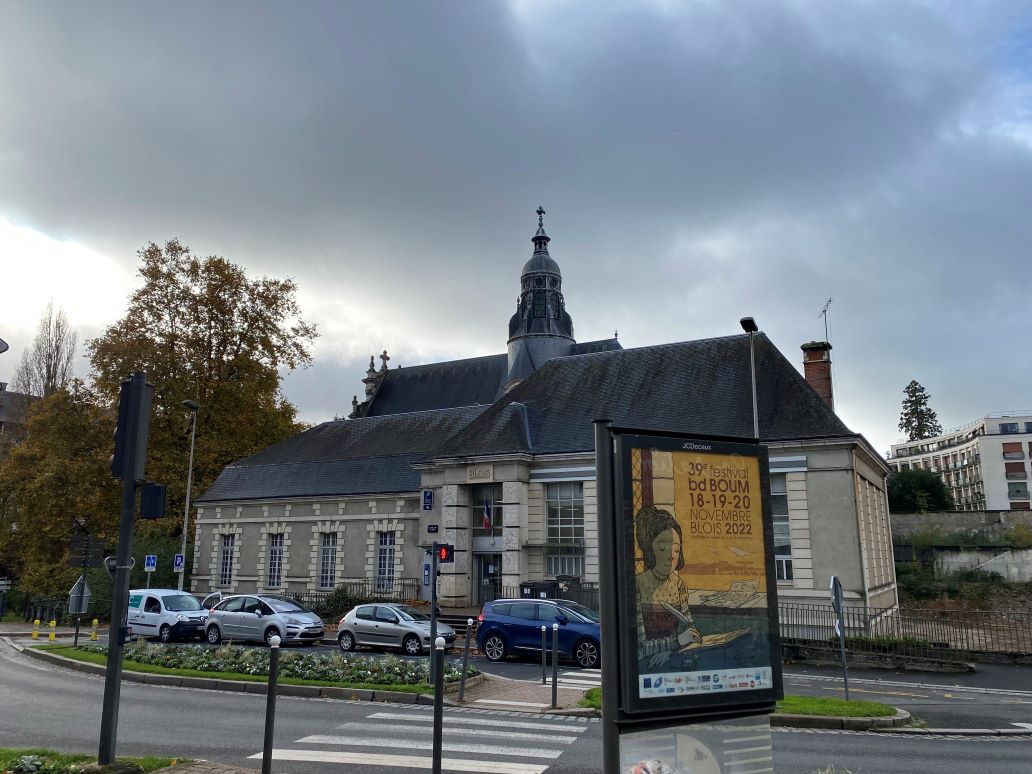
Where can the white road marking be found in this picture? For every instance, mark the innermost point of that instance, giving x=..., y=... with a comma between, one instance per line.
x=902, y=684
x=1027, y=726
x=510, y=703
x=566, y=727
x=427, y=744
x=410, y=729
x=390, y=762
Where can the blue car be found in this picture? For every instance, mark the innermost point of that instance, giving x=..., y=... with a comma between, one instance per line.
x=510, y=626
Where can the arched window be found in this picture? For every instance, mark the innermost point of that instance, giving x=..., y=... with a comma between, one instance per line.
x=539, y=304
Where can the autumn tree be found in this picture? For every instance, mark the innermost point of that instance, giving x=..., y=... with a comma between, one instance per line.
x=204, y=331
x=46, y=364
x=917, y=419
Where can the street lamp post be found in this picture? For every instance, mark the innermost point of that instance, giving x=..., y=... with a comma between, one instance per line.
x=749, y=326
x=194, y=407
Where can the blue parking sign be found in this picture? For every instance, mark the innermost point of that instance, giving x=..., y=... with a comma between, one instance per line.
x=428, y=499
x=150, y=563
x=177, y=563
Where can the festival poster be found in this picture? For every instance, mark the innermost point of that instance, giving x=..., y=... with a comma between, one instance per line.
x=700, y=571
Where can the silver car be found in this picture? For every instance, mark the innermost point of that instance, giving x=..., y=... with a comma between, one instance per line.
x=385, y=625
x=259, y=617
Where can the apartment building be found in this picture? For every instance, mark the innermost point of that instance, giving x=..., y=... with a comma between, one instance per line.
x=985, y=464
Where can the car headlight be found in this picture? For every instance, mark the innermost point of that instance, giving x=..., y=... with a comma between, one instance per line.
x=293, y=622
x=182, y=617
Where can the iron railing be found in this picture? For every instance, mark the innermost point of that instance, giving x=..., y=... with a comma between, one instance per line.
x=367, y=589
x=924, y=633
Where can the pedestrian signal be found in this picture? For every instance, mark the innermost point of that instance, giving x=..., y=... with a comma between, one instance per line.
x=445, y=553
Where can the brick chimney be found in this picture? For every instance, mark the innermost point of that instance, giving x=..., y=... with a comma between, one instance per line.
x=817, y=369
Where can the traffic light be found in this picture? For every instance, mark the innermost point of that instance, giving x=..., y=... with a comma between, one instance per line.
x=445, y=553
x=134, y=407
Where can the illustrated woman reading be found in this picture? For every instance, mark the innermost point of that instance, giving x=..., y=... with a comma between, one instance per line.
x=665, y=622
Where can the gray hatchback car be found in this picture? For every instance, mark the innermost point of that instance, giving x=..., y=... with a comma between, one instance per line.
x=259, y=617
x=388, y=625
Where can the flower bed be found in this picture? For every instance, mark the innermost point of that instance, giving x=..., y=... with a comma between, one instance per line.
x=328, y=667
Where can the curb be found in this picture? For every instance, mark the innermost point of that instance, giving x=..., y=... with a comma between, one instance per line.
x=247, y=686
x=790, y=720
x=956, y=731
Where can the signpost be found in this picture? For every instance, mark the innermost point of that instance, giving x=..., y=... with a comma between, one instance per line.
x=5, y=586
x=689, y=615
x=150, y=564
x=836, y=603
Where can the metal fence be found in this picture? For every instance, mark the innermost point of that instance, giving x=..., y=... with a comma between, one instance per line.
x=369, y=589
x=583, y=593
x=926, y=633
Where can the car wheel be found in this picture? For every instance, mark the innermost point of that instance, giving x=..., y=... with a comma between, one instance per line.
x=165, y=633
x=585, y=652
x=411, y=645
x=346, y=641
x=213, y=635
x=494, y=647
x=271, y=632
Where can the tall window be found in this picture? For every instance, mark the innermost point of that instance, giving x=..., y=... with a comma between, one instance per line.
x=275, y=574
x=226, y=561
x=385, y=562
x=328, y=561
x=1018, y=491
x=485, y=504
x=564, y=554
x=782, y=533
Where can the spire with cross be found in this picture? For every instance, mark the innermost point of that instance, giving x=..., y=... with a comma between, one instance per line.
x=384, y=357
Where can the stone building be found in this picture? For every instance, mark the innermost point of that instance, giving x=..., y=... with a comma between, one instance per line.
x=505, y=444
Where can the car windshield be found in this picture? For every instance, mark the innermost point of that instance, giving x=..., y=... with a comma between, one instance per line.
x=585, y=612
x=178, y=602
x=285, y=605
x=412, y=613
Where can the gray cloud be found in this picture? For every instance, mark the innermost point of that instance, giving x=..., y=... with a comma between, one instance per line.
x=699, y=161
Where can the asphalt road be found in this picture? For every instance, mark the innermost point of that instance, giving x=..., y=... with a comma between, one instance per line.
x=45, y=705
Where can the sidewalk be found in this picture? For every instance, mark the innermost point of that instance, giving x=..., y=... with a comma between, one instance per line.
x=205, y=767
x=517, y=695
x=22, y=629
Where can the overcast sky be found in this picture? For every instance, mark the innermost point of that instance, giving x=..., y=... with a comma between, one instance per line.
x=699, y=161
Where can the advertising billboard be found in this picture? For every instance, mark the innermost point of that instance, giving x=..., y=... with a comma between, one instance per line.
x=697, y=585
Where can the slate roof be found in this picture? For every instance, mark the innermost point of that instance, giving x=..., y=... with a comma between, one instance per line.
x=475, y=380
x=602, y=345
x=358, y=456
x=695, y=387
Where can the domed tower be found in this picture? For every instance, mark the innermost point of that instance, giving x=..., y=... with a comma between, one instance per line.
x=541, y=328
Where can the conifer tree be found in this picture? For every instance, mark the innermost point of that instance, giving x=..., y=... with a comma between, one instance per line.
x=917, y=419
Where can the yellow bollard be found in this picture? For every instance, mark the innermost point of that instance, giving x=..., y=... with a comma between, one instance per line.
x=35, y=629
x=53, y=630
x=93, y=634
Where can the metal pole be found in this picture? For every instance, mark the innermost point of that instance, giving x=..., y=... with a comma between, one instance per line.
x=78, y=620
x=752, y=373
x=186, y=510
x=607, y=552
x=555, y=665
x=120, y=588
x=544, y=656
x=270, y=704
x=465, y=659
x=438, y=657
x=433, y=609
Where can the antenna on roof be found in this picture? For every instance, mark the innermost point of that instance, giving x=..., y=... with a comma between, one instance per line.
x=824, y=314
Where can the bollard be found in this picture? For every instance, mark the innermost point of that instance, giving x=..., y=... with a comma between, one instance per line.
x=270, y=704
x=53, y=630
x=544, y=656
x=93, y=634
x=35, y=629
x=438, y=657
x=555, y=665
x=465, y=659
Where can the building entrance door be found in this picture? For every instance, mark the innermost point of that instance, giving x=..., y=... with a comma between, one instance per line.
x=489, y=577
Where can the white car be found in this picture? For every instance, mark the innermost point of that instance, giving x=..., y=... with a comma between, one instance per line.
x=167, y=614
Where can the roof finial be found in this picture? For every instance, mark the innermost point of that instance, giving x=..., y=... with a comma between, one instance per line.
x=541, y=216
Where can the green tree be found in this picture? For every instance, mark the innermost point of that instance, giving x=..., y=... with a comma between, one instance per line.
x=917, y=420
x=918, y=491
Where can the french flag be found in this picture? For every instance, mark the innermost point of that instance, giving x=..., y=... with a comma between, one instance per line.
x=487, y=515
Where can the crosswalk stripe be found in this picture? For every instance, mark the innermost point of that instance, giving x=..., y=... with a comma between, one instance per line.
x=427, y=744
x=409, y=729
x=575, y=683
x=566, y=727
x=504, y=703
x=583, y=673
x=402, y=761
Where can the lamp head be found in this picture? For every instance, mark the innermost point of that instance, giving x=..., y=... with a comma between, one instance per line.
x=192, y=405
x=748, y=325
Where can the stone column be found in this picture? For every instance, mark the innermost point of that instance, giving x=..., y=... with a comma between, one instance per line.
x=454, y=585
x=514, y=513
